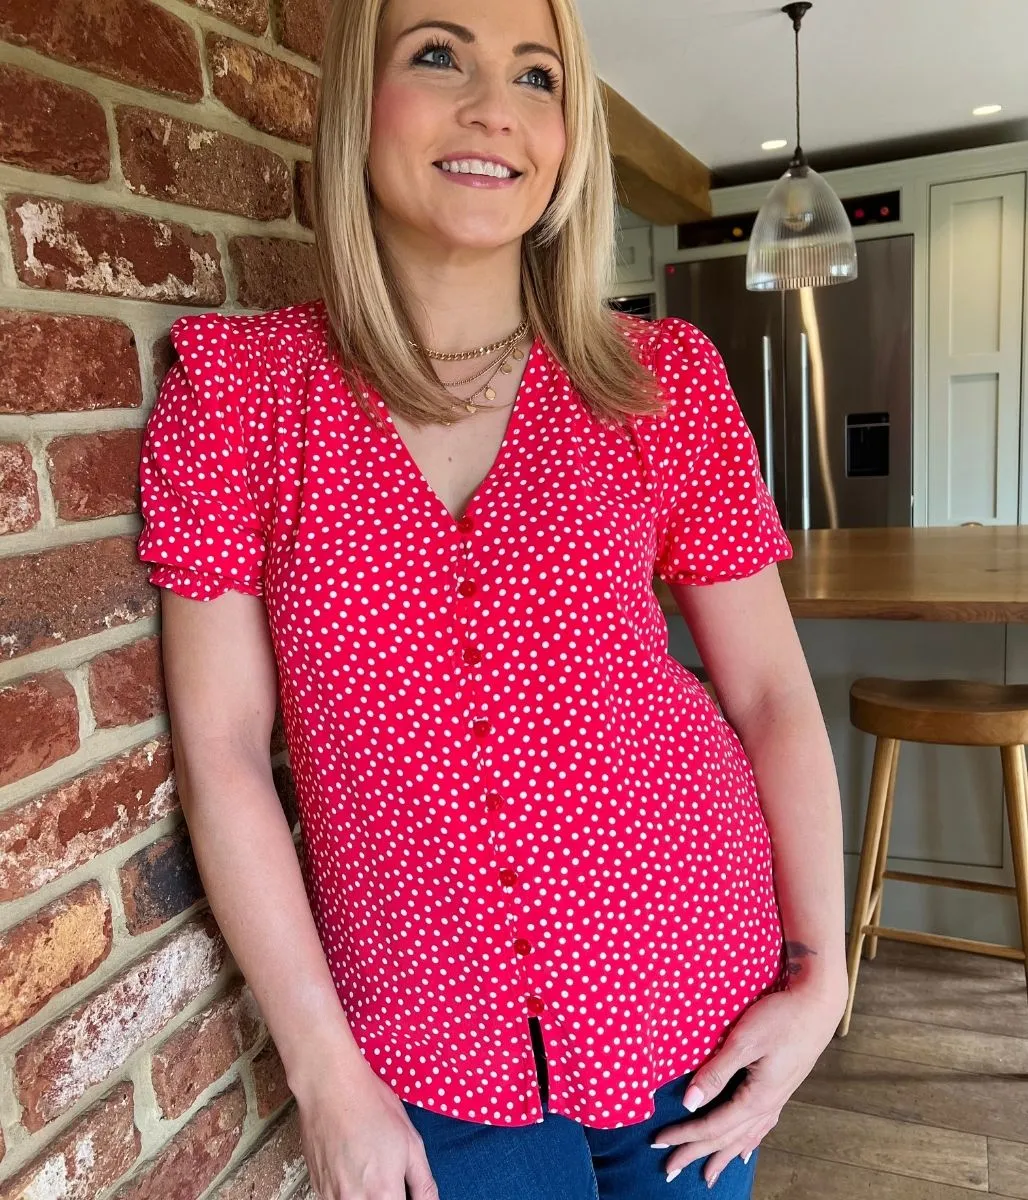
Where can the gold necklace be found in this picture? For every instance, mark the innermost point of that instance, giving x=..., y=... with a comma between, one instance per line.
x=462, y=355
x=486, y=389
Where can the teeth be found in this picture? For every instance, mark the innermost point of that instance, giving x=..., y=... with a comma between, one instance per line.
x=476, y=166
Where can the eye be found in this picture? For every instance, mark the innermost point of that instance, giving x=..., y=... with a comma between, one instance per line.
x=438, y=49
x=542, y=77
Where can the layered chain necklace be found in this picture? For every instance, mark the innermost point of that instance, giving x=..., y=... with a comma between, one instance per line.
x=506, y=351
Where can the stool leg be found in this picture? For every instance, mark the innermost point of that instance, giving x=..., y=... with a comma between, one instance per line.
x=876, y=801
x=871, y=949
x=1015, y=787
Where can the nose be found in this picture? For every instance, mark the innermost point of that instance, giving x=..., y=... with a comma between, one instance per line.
x=488, y=103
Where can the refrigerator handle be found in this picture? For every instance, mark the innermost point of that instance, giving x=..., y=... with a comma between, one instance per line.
x=805, y=426
x=769, y=440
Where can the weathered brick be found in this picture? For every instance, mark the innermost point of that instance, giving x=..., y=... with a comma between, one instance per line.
x=176, y=160
x=159, y=882
x=126, y=685
x=51, y=127
x=251, y=15
x=54, y=363
x=95, y=474
x=271, y=1170
x=271, y=94
x=63, y=245
x=53, y=597
x=203, y=1049
x=19, y=491
x=301, y=26
x=39, y=724
x=269, y=1081
x=54, y=948
x=49, y=835
x=85, y=1047
x=93, y=1154
x=195, y=1155
x=303, y=187
x=133, y=41
x=273, y=272
x=282, y=777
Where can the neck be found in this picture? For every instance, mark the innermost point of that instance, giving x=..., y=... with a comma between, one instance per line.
x=459, y=298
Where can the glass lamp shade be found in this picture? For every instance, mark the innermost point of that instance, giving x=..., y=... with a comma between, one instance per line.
x=801, y=237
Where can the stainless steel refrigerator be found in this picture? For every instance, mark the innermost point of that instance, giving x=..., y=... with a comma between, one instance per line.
x=823, y=377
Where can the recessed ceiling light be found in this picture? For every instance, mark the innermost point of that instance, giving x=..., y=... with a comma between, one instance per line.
x=986, y=110
x=774, y=144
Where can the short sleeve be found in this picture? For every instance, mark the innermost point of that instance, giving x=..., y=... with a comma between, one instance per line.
x=716, y=519
x=201, y=528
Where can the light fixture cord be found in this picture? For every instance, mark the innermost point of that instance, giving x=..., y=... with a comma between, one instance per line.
x=796, y=28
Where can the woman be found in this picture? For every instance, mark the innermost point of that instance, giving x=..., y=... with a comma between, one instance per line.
x=547, y=941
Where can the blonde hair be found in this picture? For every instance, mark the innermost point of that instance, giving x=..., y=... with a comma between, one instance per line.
x=567, y=261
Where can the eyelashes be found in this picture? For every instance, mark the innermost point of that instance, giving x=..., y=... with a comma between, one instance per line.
x=444, y=46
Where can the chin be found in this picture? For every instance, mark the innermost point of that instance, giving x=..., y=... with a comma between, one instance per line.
x=479, y=235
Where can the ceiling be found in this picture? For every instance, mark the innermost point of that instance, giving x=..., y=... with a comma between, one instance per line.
x=718, y=75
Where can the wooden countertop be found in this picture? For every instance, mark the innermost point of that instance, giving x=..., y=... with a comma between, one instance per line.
x=977, y=573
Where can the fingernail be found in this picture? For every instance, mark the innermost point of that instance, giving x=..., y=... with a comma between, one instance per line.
x=672, y=1174
x=747, y=1156
x=659, y=1145
x=693, y=1098
x=711, y=1181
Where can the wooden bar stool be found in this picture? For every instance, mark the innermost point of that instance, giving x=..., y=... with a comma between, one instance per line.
x=946, y=712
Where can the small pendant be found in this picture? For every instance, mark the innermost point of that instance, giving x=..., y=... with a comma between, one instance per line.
x=507, y=367
x=471, y=408
x=519, y=354
x=490, y=393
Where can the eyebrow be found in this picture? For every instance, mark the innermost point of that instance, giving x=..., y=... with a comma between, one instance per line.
x=465, y=35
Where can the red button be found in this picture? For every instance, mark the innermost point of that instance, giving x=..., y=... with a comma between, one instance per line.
x=465, y=524
x=471, y=654
x=494, y=801
x=508, y=877
x=535, y=1005
x=467, y=587
x=481, y=728
x=523, y=947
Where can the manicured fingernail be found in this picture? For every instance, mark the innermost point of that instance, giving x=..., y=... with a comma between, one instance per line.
x=659, y=1145
x=693, y=1098
x=711, y=1181
x=672, y=1174
x=747, y=1156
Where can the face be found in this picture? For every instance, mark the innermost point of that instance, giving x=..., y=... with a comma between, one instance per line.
x=467, y=131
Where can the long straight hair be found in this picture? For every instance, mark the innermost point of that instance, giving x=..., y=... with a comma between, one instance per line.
x=567, y=260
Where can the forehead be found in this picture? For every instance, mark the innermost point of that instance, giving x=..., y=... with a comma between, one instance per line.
x=497, y=22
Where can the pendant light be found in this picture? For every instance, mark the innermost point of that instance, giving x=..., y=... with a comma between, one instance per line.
x=802, y=236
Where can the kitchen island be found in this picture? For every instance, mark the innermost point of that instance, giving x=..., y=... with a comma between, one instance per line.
x=914, y=603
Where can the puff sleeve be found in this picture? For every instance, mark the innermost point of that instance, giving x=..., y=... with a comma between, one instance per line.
x=201, y=529
x=716, y=520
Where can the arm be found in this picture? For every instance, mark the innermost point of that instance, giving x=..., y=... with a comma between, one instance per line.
x=746, y=637
x=221, y=682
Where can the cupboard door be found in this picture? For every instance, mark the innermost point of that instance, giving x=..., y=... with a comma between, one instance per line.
x=976, y=273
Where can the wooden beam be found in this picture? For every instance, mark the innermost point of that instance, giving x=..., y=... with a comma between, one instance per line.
x=656, y=177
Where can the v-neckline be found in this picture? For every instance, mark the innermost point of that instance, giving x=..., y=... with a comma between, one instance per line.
x=502, y=454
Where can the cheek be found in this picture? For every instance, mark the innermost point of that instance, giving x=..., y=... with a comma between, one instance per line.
x=398, y=123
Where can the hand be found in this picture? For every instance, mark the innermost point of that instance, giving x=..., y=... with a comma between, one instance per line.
x=778, y=1039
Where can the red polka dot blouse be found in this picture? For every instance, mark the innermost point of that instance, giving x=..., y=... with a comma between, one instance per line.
x=514, y=801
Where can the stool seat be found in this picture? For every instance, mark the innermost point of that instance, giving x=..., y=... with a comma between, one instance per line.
x=952, y=712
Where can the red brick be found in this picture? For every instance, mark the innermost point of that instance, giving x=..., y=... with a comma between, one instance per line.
x=54, y=948
x=49, y=835
x=272, y=95
x=93, y=1041
x=195, y=1155
x=175, y=160
x=303, y=192
x=51, y=598
x=53, y=363
x=251, y=15
x=133, y=41
x=63, y=245
x=126, y=685
x=273, y=272
x=93, y=1154
x=301, y=26
x=95, y=474
x=202, y=1050
x=51, y=127
x=269, y=1081
x=19, y=493
x=271, y=1170
x=39, y=724
x=160, y=882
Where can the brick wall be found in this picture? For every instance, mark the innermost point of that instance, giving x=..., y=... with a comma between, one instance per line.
x=154, y=160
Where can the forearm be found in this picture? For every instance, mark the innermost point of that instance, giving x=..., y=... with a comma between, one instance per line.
x=250, y=871
x=787, y=743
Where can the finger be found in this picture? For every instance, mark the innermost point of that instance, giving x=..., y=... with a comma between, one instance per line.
x=717, y=1072
x=419, y=1178
x=717, y=1162
x=747, y=1105
x=728, y=1148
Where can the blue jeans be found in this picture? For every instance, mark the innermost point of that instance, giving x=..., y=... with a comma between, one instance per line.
x=560, y=1159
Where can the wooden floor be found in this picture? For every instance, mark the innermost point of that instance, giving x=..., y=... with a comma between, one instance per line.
x=926, y=1098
